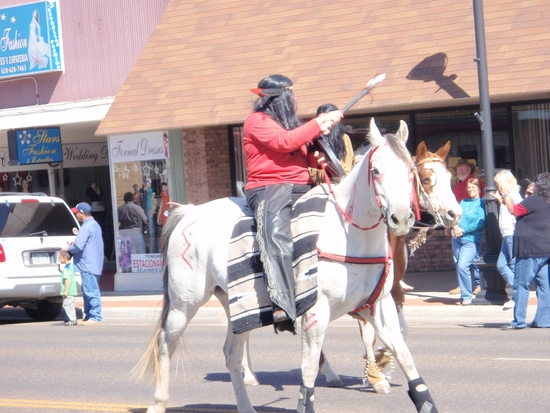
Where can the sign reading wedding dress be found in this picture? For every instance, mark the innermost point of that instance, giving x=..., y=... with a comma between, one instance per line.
x=30, y=41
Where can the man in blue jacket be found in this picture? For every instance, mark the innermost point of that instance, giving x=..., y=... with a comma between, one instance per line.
x=87, y=250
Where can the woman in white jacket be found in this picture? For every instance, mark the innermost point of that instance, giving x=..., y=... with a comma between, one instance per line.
x=507, y=185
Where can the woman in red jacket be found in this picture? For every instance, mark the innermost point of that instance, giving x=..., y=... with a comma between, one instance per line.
x=277, y=175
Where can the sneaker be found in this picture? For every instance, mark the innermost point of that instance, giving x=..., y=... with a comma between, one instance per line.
x=477, y=290
x=455, y=291
x=90, y=322
x=69, y=323
x=508, y=305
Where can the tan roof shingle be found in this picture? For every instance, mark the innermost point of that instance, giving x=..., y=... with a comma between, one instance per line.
x=205, y=55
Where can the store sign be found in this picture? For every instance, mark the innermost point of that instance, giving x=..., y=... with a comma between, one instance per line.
x=146, y=262
x=138, y=146
x=34, y=146
x=85, y=154
x=75, y=155
x=30, y=40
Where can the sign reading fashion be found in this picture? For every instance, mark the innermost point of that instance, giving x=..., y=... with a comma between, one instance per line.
x=30, y=41
x=33, y=146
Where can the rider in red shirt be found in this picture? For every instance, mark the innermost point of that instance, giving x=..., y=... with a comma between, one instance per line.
x=277, y=172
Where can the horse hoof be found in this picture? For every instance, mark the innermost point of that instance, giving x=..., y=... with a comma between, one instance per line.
x=337, y=382
x=382, y=387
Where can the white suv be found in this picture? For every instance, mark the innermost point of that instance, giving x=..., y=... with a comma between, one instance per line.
x=33, y=229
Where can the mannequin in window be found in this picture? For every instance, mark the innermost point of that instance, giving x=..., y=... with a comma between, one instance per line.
x=25, y=185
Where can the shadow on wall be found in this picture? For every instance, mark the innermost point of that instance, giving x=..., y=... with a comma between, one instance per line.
x=431, y=69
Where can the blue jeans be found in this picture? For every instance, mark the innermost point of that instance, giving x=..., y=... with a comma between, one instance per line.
x=150, y=228
x=91, y=296
x=527, y=270
x=506, y=262
x=465, y=253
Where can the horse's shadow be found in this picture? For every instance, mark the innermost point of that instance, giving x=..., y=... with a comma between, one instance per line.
x=278, y=380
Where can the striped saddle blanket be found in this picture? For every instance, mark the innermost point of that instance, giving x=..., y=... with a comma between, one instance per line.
x=249, y=302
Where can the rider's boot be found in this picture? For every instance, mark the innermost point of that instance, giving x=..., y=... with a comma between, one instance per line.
x=273, y=217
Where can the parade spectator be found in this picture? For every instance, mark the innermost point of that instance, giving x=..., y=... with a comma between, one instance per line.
x=530, y=189
x=507, y=186
x=87, y=250
x=147, y=196
x=467, y=238
x=130, y=215
x=532, y=252
x=464, y=172
x=162, y=215
x=68, y=287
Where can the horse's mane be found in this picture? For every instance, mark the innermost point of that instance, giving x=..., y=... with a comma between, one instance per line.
x=397, y=147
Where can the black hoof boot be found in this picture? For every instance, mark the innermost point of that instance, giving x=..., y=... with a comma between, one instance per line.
x=305, y=400
x=420, y=396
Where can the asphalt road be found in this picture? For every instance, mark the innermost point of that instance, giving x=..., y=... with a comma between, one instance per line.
x=45, y=367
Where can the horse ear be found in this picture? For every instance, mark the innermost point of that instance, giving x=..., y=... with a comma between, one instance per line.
x=403, y=132
x=375, y=137
x=444, y=150
x=421, y=151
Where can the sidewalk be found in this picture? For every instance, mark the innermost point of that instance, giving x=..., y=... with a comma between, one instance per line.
x=430, y=300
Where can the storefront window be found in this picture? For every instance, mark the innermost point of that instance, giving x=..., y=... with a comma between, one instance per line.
x=464, y=131
x=531, y=140
x=141, y=194
x=358, y=129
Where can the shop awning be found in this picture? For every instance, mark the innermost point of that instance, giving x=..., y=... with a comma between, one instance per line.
x=55, y=114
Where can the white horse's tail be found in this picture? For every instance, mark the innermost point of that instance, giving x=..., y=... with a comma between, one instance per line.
x=148, y=364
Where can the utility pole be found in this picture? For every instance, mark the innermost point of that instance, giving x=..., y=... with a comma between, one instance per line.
x=492, y=280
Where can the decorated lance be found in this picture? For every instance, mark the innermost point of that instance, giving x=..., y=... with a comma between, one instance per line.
x=333, y=163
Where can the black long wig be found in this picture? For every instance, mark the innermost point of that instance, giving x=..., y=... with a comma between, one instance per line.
x=336, y=136
x=277, y=101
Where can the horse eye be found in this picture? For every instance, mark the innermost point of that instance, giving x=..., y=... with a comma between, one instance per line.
x=375, y=172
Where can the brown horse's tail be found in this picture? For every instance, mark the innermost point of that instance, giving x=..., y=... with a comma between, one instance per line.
x=148, y=365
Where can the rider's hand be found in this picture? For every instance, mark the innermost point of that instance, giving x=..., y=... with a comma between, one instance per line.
x=326, y=120
x=316, y=159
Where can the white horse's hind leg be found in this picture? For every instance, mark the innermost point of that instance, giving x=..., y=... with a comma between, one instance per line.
x=233, y=350
x=168, y=337
x=250, y=378
x=332, y=379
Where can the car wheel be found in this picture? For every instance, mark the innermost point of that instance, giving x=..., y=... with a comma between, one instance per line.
x=45, y=310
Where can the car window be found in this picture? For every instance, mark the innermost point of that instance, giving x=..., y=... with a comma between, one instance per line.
x=35, y=219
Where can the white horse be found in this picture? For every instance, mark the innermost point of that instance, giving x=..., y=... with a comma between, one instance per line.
x=195, y=248
x=433, y=190
x=434, y=193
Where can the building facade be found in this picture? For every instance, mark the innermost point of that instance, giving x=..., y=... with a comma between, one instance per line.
x=192, y=77
x=61, y=64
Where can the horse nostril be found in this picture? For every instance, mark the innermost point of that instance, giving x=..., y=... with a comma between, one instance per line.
x=394, y=219
x=451, y=214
